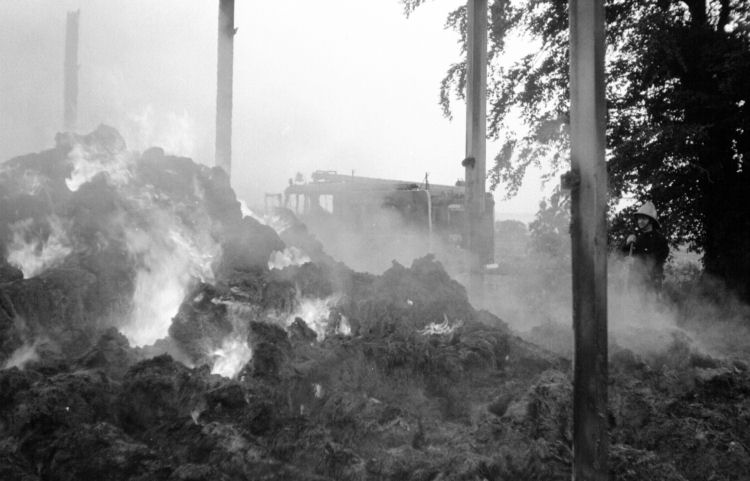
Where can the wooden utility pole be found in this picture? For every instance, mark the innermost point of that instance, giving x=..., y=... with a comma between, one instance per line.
x=476, y=133
x=589, y=239
x=224, y=78
x=70, y=94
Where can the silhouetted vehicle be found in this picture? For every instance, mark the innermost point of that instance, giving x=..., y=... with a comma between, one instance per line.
x=388, y=208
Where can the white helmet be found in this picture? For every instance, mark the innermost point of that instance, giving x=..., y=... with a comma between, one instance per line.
x=648, y=210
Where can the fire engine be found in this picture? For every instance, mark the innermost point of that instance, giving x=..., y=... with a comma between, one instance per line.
x=360, y=203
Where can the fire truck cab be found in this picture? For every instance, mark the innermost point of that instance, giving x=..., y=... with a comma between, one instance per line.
x=369, y=206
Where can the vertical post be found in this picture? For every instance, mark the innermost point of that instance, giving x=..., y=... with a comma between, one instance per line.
x=70, y=89
x=224, y=78
x=589, y=239
x=476, y=133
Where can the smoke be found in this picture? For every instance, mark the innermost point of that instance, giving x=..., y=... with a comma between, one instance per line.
x=638, y=317
x=272, y=219
x=343, y=327
x=29, y=183
x=248, y=212
x=713, y=313
x=135, y=56
x=373, y=248
x=444, y=328
x=531, y=290
x=317, y=315
x=373, y=241
x=23, y=355
x=170, y=251
x=174, y=132
x=231, y=357
x=88, y=162
x=527, y=288
x=235, y=352
x=169, y=240
x=34, y=252
x=170, y=255
x=291, y=256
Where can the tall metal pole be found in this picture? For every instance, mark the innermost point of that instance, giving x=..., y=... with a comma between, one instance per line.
x=589, y=239
x=70, y=89
x=476, y=133
x=224, y=78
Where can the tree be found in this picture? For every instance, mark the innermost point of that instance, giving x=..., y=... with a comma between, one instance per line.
x=550, y=230
x=678, y=127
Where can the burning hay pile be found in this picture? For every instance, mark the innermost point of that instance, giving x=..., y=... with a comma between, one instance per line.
x=150, y=330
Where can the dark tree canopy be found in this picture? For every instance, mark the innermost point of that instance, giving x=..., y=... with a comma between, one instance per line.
x=678, y=127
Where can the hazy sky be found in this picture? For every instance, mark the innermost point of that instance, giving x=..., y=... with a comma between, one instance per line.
x=328, y=84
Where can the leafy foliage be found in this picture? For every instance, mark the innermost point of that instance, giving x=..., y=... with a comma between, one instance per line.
x=550, y=229
x=678, y=127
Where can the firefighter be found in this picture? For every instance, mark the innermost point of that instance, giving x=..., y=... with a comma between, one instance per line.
x=649, y=250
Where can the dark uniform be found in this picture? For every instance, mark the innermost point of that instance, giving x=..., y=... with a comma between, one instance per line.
x=650, y=251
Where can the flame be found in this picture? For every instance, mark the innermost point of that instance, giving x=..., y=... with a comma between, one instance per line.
x=169, y=264
x=170, y=251
x=344, y=328
x=33, y=255
x=22, y=356
x=235, y=351
x=315, y=312
x=318, y=389
x=231, y=357
x=442, y=328
x=291, y=256
x=88, y=164
x=317, y=315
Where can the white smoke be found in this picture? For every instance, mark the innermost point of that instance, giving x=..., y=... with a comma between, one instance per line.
x=277, y=223
x=169, y=250
x=274, y=221
x=30, y=183
x=172, y=131
x=235, y=352
x=317, y=315
x=442, y=328
x=88, y=164
x=31, y=253
x=231, y=357
x=291, y=256
x=637, y=318
x=248, y=212
x=170, y=259
x=343, y=327
x=22, y=356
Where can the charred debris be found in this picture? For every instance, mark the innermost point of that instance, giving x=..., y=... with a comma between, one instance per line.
x=301, y=369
